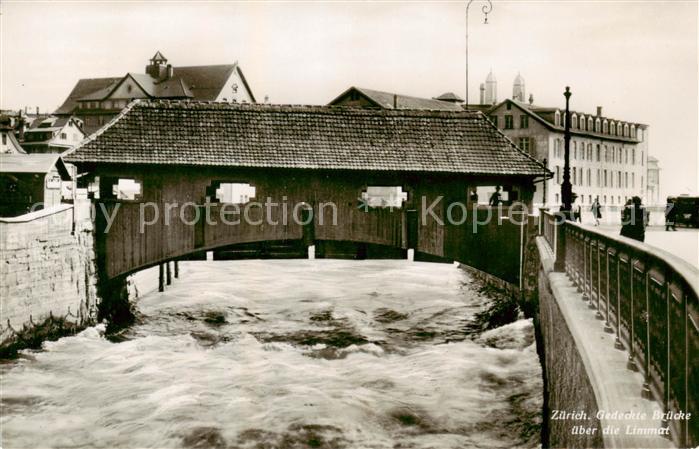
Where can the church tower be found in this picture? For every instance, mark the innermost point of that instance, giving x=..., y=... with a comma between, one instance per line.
x=491, y=89
x=518, y=92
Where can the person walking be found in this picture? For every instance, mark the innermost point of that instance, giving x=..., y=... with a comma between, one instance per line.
x=495, y=198
x=670, y=214
x=596, y=211
x=634, y=220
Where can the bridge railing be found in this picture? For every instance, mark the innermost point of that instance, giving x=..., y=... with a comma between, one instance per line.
x=650, y=300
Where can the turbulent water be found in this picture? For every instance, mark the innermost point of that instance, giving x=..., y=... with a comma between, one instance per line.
x=287, y=354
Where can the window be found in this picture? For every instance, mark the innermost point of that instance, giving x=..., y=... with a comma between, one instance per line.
x=575, y=175
x=524, y=144
x=575, y=150
x=558, y=174
x=633, y=131
x=618, y=179
x=633, y=156
x=128, y=189
x=613, y=154
x=233, y=192
x=598, y=152
x=509, y=106
x=626, y=155
x=641, y=181
x=606, y=154
x=380, y=196
x=619, y=156
x=508, y=122
x=494, y=119
x=633, y=180
x=626, y=130
x=589, y=151
x=606, y=184
x=524, y=121
x=589, y=177
x=612, y=198
x=64, y=136
x=582, y=152
x=642, y=159
x=599, y=179
x=626, y=180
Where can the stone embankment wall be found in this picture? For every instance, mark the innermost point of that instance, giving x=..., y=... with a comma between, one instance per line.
x=567, y=387
x=48, y=270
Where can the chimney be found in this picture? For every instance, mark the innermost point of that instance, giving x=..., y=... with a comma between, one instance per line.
x=395, y=101
x=37, y=110
x=599, y=111
x=170, y=71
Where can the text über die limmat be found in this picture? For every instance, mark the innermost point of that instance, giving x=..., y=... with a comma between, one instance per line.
x=625, y=428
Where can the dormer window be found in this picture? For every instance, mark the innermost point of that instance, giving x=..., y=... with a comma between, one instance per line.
x=557, y=118
x=633, y=131
x=574, y=121
x=626, y=130
x=605, y=127
x=590, y=124
x=612, y=128
x=582, y=123
x=598, y=125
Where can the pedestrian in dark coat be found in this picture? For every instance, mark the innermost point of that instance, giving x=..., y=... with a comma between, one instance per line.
x=634, y=220
x=670, y=214
x=596, y=211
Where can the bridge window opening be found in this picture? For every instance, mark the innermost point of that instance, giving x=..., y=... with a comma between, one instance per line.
x=234, y=192
x=128, y=189
x=384, y=196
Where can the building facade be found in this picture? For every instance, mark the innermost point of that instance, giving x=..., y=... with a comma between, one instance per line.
x=608, y=157
x=97, y=100
x=53, y=135
x=653, y=183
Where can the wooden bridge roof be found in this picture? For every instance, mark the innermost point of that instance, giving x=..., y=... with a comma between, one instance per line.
x=304, y=137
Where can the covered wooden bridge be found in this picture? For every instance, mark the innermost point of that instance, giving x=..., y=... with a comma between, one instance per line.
x=370, y=182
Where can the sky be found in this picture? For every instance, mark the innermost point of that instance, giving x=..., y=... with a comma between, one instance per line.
x=636, y=59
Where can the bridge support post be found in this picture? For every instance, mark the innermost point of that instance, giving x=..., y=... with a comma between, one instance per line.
x=168, y=273
x=161, y=276
x=177, y=270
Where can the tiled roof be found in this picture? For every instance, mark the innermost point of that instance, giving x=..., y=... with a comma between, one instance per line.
x=202, y=83
x=449, y=96
x=304, y=137
x=85, y=87
x=388, y=100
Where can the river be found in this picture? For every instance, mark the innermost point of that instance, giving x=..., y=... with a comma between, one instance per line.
x=287, y=354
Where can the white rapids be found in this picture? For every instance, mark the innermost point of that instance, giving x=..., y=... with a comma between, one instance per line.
x=286, y=354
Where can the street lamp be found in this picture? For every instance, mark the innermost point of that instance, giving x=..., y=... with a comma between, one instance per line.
x=566, y=187
x=487, y=8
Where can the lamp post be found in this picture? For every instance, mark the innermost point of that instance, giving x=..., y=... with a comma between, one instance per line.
x=487, y=8
x=566, y=187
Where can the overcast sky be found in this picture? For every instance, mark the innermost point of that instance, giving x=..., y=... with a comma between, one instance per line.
x=637, y=59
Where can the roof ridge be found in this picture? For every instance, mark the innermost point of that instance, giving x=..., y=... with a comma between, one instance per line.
x=104, y=128
x=201, y=104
